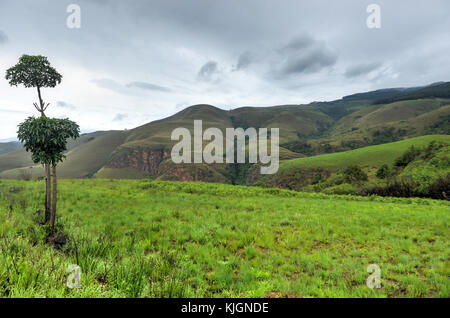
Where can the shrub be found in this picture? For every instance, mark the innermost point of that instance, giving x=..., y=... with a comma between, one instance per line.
x=405, y=187
x=407, y=157
x=354, y=174
x=398, y=188
x=439, y=189
x=299, y=146
x=384, y=135
x=316, y=179
x=341, y=189
x=384, y=172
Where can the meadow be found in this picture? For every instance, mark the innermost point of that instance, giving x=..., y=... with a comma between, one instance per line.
x=371, y=156
x=143, y=238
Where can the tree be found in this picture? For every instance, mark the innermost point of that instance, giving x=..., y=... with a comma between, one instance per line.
x=46, y=139
x=407, y=157
x=35, y=71
x=354, y=174
x=384, y=172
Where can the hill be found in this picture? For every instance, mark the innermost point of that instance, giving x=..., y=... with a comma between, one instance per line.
x=406, y=117
x=6, y=147
x=367, y=157
x=353, y=122
x=440, y=90
x=10, y=163
x=85, y=157
x=322, y=172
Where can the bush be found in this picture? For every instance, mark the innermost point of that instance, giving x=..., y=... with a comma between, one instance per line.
x=439, y=189
x=299, y=146
x=407, y=157
x=316, y=179
x=354, y=174
x=342, y=189
x=384, y=135
x=384, y=172
x=398, y=188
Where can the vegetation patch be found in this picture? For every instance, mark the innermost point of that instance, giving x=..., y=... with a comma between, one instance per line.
x=212, y=240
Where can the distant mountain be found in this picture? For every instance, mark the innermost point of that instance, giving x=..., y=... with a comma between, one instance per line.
x=437, y=90
x=354, y=121
x=8, y=140
x=6, y=147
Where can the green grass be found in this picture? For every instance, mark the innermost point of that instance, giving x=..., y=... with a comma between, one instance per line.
x=372, y=156
x=141, y=238
x=395, y=113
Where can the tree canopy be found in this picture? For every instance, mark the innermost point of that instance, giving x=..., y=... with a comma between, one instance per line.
x=46, y=138
x=33, y=71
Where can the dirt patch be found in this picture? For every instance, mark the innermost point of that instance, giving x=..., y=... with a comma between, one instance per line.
x=274, y=294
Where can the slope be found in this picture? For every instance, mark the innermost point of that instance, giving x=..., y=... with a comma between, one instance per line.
x=87, y=156
x=6, y=147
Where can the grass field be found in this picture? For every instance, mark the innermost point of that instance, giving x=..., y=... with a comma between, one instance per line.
x=372, y=156
x=146, y=238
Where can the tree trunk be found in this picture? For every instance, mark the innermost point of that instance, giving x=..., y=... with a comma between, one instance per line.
x=47, y=193
x=47, y=170
x=53, y=215
x=41, y=102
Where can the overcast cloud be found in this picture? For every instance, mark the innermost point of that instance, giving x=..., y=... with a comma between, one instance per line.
x=3, y=37
x=137, y=61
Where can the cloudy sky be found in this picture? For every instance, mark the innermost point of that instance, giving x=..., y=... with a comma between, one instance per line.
x=132, y=62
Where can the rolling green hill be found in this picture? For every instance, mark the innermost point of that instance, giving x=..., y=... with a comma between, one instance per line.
x=352, y=122
x=371, y=156
x=398, y=114
x=327, y=172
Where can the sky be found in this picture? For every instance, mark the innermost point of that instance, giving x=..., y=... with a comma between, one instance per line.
x=132, y=62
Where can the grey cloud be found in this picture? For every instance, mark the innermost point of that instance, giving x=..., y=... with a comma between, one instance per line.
x=208, y=70
x=3, y=37
x=300, y=42
x=362, y=69
x=66, y=105
x=120, y=117
x=169, y=39
x=148, y=86
x=128, y=88
x=308, y=62
x=109, y=84
x=244, y=60
x=302, y=55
